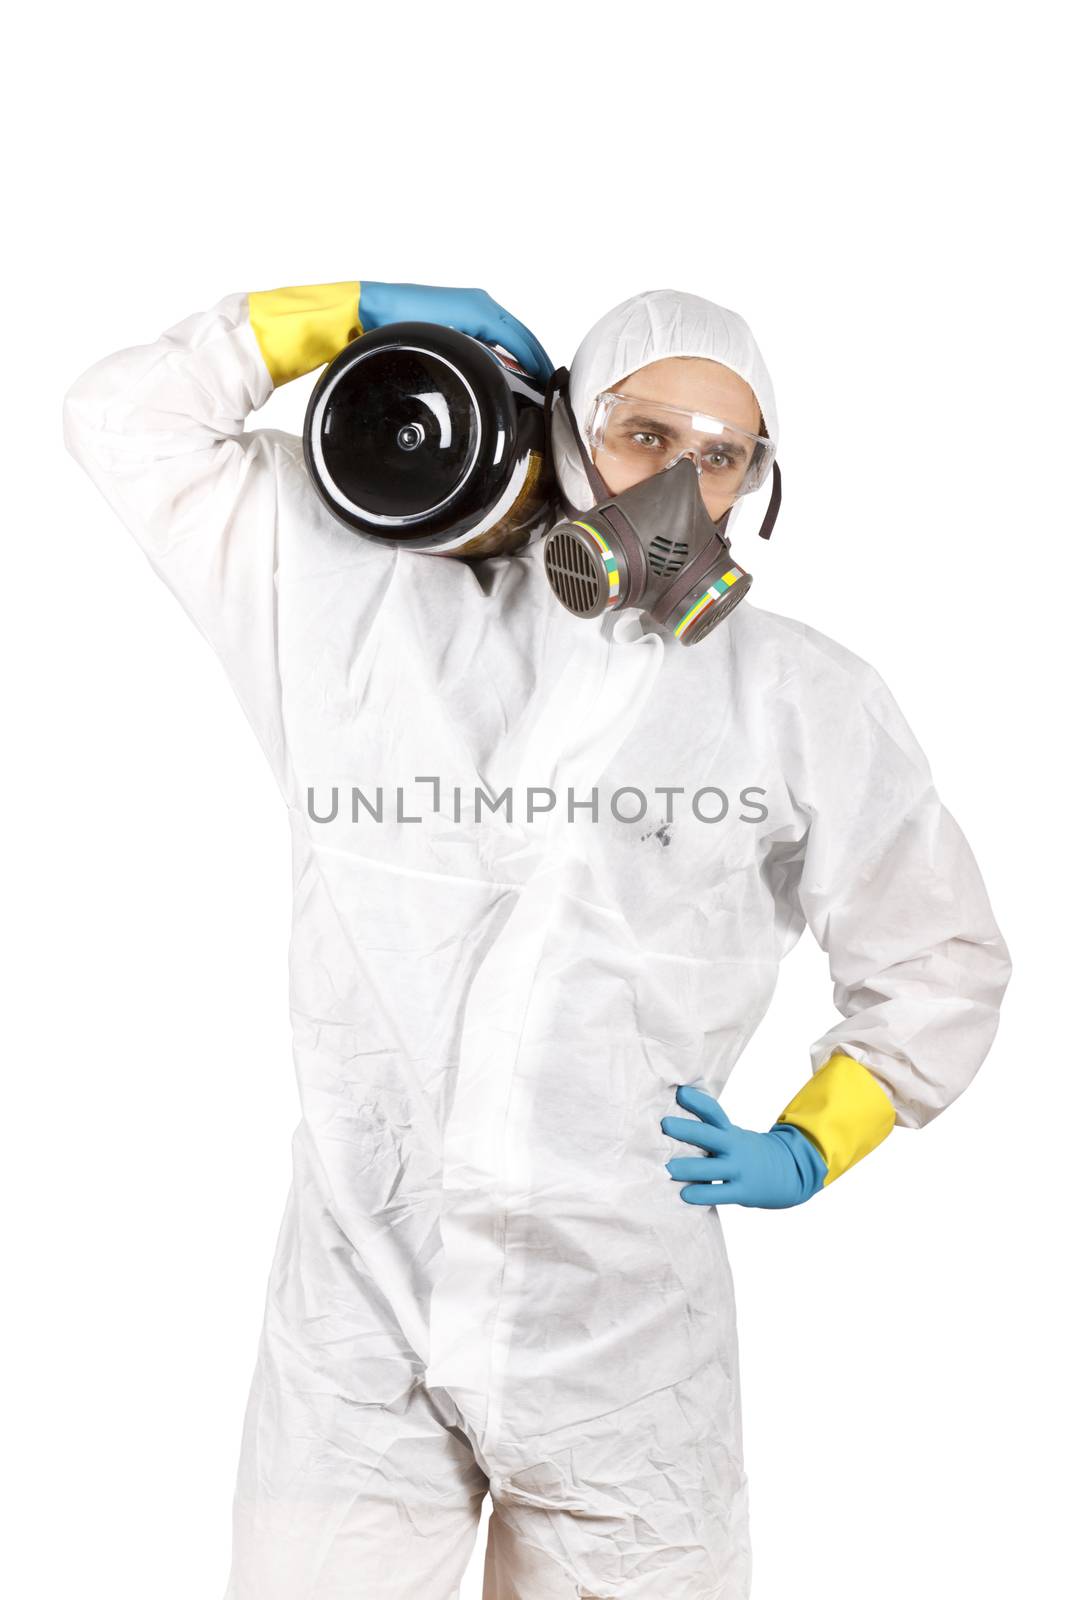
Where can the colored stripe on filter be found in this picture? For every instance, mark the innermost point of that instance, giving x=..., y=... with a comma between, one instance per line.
x=718, y=588
x=611, y=566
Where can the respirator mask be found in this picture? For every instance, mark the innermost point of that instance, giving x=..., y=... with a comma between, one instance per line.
x=654, y=545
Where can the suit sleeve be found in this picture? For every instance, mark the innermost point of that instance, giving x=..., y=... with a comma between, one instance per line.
x=892, y=892
x=160, y=429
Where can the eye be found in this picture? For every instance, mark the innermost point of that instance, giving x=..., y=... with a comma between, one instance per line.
x=722, y=459
x=647, y=441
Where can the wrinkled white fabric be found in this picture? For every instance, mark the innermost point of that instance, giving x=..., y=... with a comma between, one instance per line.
x=484, y=1277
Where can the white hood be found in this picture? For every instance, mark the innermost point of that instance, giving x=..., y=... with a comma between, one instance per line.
x=645, y=328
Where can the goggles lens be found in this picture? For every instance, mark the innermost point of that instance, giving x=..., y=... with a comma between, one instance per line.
x=645, y=436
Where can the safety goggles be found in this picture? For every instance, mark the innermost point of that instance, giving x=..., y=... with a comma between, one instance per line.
x=645, y=436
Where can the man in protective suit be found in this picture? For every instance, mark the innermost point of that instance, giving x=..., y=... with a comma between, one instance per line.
x=484, y=1277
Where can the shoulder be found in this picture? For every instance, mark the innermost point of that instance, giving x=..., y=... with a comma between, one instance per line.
x=799, y=662
x=824, y=691
x=774, y=640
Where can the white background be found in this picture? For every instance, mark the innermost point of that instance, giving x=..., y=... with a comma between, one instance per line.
x=877, y=192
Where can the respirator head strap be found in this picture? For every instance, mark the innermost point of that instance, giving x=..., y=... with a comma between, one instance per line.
x=560, y=380
x=771, y=514
x=628, y=545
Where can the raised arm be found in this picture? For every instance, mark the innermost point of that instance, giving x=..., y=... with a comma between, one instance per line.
x=160, y=430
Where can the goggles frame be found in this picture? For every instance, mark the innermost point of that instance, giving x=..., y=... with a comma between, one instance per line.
x=763, y=448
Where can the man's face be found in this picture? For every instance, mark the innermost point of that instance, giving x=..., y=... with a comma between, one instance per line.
x=691, y=383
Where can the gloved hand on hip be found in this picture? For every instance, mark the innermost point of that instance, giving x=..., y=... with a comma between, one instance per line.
x=773, y=1170
x=468, y=310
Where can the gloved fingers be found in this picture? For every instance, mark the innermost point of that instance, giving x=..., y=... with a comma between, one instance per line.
x=716, y=1141
x=516, y=337
x=701, y=1169
x=468, y=310
x=702, y=1104
x=711, y=1194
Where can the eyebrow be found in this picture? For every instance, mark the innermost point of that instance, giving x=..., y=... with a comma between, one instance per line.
x=669, y=431
x=653, y=424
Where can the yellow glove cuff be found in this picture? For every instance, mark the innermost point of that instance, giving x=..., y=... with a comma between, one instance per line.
x=299, y=329
x=844, y=1111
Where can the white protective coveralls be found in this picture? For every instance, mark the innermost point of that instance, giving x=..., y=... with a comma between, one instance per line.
x=484, y=1276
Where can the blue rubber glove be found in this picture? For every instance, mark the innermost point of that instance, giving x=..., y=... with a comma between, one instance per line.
x=775, y=1169
x=468, y=310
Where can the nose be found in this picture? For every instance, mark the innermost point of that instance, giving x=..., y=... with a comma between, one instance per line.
x=715, y=503
x=691, y=454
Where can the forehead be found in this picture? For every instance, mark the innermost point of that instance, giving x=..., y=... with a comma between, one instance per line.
x=697, y=384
